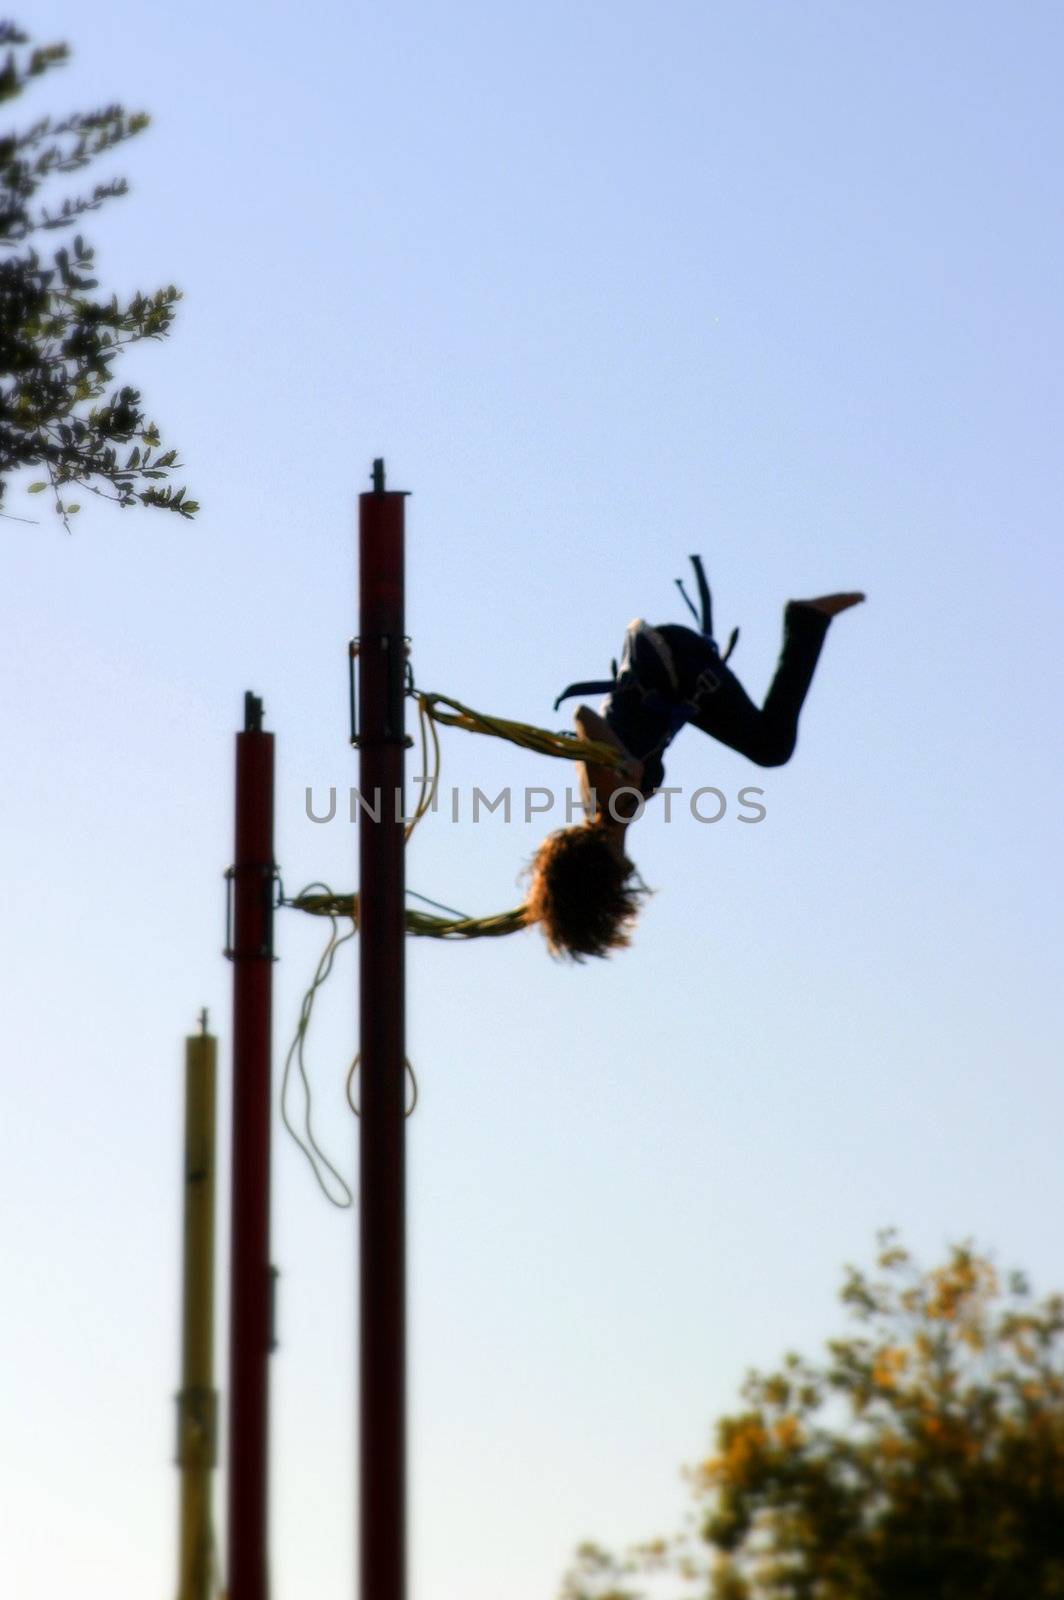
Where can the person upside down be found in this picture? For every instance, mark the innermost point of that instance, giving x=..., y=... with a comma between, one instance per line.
x=584, y=890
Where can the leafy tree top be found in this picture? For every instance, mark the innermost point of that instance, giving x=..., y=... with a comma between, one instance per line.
x=922, y=1458
x=58, y=342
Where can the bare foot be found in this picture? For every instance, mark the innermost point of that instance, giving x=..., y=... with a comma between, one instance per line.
x=829, y=605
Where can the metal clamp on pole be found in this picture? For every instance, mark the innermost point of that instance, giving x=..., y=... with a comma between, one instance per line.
x=395, y=694
x=399, y=689
x=353, y=646
x=270, y=876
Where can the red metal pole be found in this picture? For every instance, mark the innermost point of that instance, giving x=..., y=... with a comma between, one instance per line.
x=382, y=937
x=251, y=1282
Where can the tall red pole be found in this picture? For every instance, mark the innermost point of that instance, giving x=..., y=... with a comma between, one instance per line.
x=250, y=1335
x=382, y=937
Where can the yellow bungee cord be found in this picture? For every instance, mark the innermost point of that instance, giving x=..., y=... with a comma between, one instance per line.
x=318, y=900
x=566, y=746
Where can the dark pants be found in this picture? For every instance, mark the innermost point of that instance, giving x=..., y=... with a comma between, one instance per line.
x=726, y=712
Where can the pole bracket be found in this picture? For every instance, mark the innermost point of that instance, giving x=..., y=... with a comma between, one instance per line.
x=270, y=875
x=354, y=648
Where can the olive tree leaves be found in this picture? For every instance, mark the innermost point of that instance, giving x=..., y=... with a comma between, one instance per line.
x=59, y=409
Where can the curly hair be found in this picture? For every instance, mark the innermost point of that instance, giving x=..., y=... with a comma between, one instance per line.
x=581, y=894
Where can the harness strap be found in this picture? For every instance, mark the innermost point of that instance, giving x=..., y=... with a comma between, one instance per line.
x=703, y=617
x=705, y=600
x=593, y=686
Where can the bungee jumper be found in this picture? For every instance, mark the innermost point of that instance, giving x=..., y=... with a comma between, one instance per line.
x=584, y=891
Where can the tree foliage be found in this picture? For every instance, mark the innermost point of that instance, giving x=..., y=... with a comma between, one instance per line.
x=922, y=1458
x=58, y=409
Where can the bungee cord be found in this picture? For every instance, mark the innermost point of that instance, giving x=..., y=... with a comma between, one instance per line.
x=319, y=900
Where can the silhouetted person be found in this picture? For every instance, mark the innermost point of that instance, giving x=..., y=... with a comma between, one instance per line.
x=583, y=889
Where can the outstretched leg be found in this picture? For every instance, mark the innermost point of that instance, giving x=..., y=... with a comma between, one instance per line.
x=722, y=708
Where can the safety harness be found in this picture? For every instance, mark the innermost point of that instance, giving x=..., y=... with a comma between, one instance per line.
x=707, y=681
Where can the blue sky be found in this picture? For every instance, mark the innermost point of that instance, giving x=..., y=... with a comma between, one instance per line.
x=775, y=283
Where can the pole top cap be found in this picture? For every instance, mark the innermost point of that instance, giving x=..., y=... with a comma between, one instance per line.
x=377, y=480
x=252, y=713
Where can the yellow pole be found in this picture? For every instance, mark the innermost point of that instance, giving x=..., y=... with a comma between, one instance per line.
x=197, y=1404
